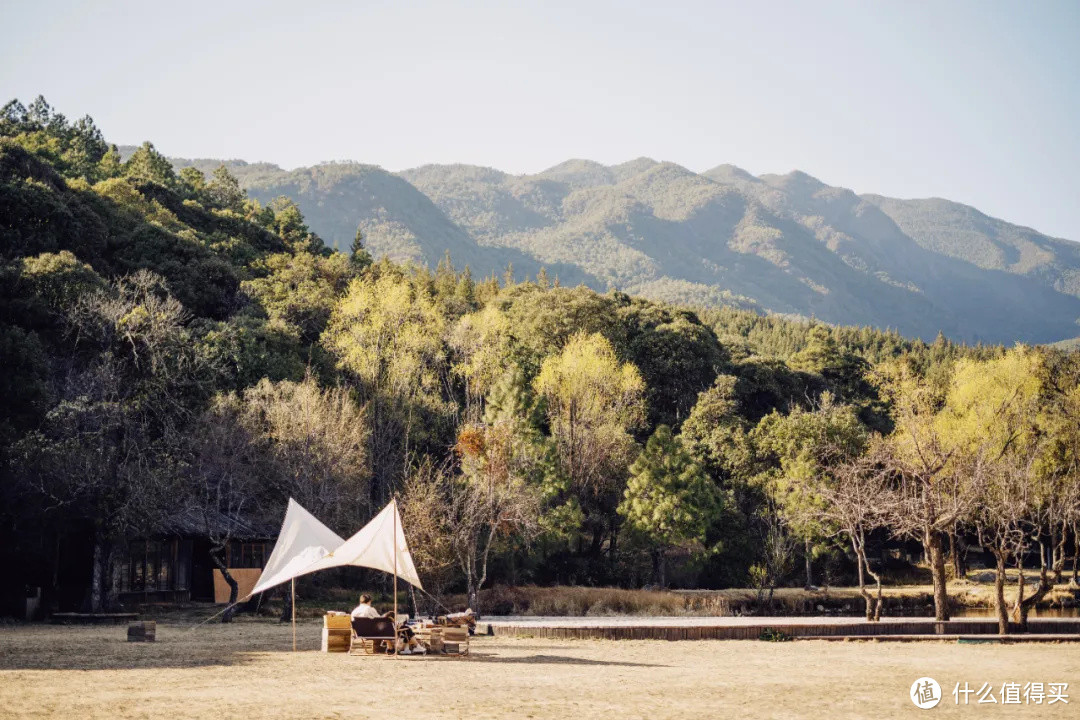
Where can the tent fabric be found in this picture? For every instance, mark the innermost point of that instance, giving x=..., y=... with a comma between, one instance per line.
x=303, y=541
x=373, y=547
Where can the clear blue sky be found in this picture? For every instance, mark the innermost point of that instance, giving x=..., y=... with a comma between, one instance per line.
x=974, y=101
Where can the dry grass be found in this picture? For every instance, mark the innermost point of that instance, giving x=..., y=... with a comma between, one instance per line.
x=573, y=601
x=246, y=671
x=576, y=601
x=967, y=593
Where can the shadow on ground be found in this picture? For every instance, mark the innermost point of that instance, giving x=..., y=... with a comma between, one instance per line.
x=76, y=647
x=554, y=660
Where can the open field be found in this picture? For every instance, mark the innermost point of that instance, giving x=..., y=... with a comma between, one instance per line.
x=245, y=670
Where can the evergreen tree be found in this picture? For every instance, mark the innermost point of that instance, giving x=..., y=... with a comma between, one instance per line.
x=358, y=254
x=224, y=190
x=669, y=499
x=147, y=163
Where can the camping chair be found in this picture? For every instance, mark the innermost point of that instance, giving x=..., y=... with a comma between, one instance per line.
x=368, y=634
x=455, y=641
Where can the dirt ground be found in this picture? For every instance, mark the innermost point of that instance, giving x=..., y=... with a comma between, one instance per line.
x=245, y=670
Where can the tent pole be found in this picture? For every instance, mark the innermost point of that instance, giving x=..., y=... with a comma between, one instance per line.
x=395, y=579
x=293, y=581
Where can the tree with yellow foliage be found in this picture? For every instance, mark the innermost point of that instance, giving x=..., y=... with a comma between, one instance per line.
x=593, y=401
x=387, y=334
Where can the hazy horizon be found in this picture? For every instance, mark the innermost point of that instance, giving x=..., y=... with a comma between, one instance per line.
x=973, y=102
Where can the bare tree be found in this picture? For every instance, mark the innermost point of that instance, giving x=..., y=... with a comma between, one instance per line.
x=422, y=500
x=494, y=497
x=1000, y=520
x=777, y=554
x=1052, y=501
x=929, y=495
x=317, y=440
x=226, y=483
x=855, y=500
x=249, y=453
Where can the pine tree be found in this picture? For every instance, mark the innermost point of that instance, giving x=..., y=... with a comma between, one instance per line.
x=358, y=254
x=668, y=499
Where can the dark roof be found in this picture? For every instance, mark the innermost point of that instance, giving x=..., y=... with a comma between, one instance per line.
x=191, y=521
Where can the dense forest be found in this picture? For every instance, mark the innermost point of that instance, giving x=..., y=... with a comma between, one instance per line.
x=173, y=348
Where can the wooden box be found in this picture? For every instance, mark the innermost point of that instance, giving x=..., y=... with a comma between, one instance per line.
x=337, y=622
x=142, y=631
x=336, y=640
x=455, y=635
x=431, y=638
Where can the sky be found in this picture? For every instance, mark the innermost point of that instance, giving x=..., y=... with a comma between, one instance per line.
x=977, y=102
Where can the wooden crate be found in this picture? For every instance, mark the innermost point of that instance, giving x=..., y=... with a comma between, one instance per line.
x=336, y=640
x=453, y=634
x=337, y=622
x=142, y=631
x=455, y=641
x=430, y=637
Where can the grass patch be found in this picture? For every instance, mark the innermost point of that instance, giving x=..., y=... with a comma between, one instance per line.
x=246, y=670
x=573, y=601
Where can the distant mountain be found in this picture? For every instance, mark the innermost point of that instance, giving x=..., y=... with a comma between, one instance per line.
x=396, y=219
x=788, y=244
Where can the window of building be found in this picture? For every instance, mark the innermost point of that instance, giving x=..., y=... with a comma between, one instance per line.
x=248, y=555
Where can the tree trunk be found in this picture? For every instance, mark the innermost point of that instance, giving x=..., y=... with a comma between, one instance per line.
x=659, y=569
x=597, y=541
x=873, y=605
x=999, y=593
x=809, y=564
x=1059, y=553
x=474, y=596
x=97, y=579
x=1076, y=554
x=234, y=587
x=286, y=610
x=954, y=554
x=860, y=561
x=877, y=581
x=936, y=558
x=1023, y=605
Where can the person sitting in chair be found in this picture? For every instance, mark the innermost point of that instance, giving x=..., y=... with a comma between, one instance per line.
x=364, y=609
x=407, y=643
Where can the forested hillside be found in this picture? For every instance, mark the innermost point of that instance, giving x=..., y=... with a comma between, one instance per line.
x=787, y=244
x=175, y=348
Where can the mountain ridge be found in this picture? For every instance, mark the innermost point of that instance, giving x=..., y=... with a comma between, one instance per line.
x=786, y=243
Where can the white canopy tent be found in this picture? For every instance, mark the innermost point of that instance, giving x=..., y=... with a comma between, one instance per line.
x=305, y=546
x=380, y=545
x=303, y=540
